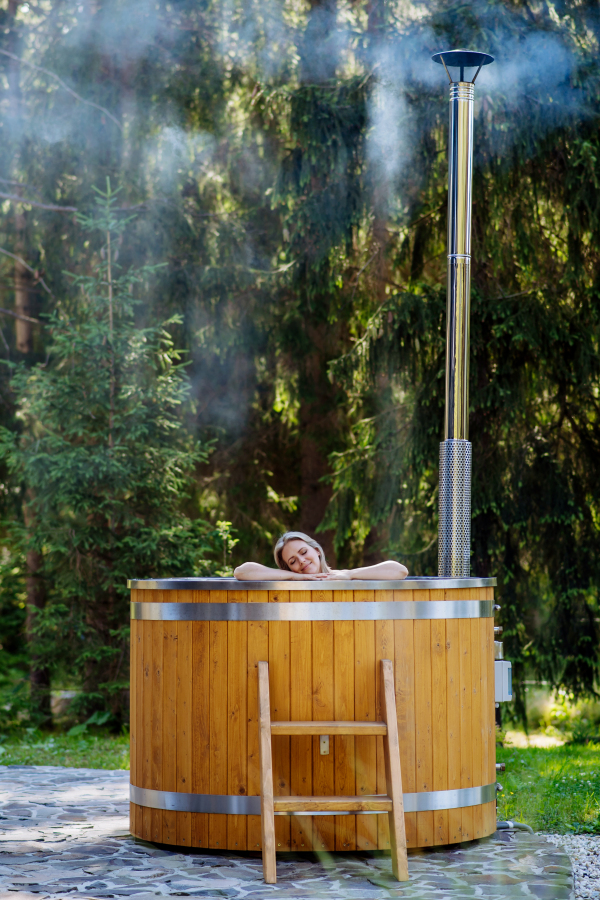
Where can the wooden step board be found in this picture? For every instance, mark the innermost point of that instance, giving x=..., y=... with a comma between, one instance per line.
x=328, y=728
x=332, y=804
x=392, y=803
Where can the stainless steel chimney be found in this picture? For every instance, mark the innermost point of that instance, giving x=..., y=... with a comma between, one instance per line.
x=454, y=529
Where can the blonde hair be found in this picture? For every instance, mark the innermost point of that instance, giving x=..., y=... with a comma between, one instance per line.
x=298, y=536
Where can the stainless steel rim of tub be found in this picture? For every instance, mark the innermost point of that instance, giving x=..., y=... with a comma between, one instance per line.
x=414, y=583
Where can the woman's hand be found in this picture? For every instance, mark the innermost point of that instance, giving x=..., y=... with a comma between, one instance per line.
x=338, y=575
x=385, y=571
x=299, y=576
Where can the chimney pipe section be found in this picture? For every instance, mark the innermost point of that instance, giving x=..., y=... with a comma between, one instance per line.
x=454, y=530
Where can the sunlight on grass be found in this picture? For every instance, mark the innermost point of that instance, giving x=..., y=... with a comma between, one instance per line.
x=100, y=751
x=554, y=789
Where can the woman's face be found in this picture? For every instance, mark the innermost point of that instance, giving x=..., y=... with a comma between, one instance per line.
x=299, y=557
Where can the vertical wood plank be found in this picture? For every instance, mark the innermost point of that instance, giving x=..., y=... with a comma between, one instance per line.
x=490, y=712
x=279, y=676
x=364, y=709
x=439, y=723
x=384, y=649
x=133, y=733
x=485, y=724
x=169, y=748
x=477, y=723
x=323, y=709
x=343, y=679
x=423, y=720
x=453, y=715
x=200, y=720
x=397, y=831
x=157, y=725
x=266, y=775
x=405, y=705
x=184, y=722
x=301, y=831
x=466, y=730
x=147, y=725
x=491, y=694
x=237, y=736
x=258, y=651
x=217, y=824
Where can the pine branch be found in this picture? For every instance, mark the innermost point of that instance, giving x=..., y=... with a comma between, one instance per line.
x=15, y=198
x=9, y=312
x=64, y=86
x=29, y=269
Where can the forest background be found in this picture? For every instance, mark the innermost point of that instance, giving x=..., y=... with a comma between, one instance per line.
x=222, y=261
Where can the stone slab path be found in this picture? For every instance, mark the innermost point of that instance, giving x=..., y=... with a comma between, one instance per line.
x=64, y=833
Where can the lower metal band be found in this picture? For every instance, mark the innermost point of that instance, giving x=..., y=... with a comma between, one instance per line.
x=313, y=612
x=232, y=805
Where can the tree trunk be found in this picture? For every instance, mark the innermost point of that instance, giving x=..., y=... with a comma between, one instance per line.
x=318, y=430
x=22, y=278
x=39, y=675
x=23, y=288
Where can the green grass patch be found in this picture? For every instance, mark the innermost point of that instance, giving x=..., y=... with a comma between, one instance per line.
x=90, y=751
x=553, y=789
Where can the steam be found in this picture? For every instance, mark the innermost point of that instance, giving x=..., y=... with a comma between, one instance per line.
x=532, y=76
x=277, y=44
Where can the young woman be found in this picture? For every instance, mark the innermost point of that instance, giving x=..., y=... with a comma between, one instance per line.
x=300, y=558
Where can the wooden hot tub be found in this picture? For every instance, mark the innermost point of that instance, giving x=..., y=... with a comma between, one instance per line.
x=195, y=646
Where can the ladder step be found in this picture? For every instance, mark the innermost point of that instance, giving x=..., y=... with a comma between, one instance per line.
x=381, y=803
x=328, y=728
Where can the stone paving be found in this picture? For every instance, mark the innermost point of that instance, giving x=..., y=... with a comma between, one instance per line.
x=65, y=834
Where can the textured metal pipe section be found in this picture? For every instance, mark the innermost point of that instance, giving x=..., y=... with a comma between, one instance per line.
x=454, y=529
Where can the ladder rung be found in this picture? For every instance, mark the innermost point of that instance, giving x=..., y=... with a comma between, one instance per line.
x=328, y=728
x=333, y=804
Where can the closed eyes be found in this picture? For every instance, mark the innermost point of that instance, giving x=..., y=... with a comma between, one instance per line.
x=293, y=558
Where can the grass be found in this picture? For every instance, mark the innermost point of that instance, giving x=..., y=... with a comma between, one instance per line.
x=93, y=751
x=555, y=789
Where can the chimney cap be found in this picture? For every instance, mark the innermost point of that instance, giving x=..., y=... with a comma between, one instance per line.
x=465, y=59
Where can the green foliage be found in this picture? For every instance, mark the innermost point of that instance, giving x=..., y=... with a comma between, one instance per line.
x=105, y=461
x=14, y=660
x=558, y=714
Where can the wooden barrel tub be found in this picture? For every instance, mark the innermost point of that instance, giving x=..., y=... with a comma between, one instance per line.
x=195, y=646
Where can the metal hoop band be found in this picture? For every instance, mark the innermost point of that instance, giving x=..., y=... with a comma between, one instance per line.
x=313, y=612
x=233, y=805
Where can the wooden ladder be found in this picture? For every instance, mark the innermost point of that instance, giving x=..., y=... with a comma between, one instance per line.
x=392, y=802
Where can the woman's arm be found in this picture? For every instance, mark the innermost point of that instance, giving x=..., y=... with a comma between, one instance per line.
x=251, y=571
x=383, y=571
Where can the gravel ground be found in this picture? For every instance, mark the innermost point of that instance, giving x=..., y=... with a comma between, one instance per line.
x=584, y=851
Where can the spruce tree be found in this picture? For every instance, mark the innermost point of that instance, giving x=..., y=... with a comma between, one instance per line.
x=105, y=462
